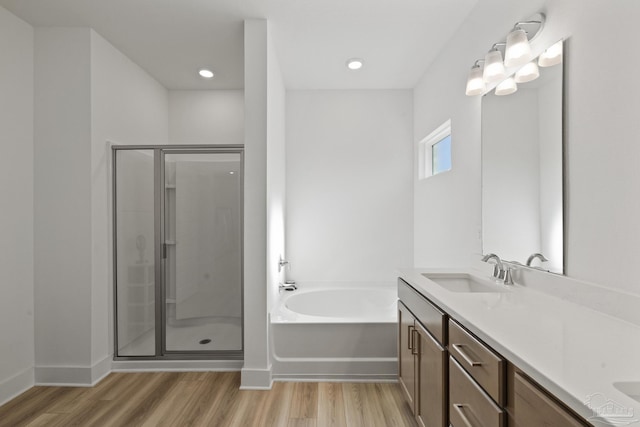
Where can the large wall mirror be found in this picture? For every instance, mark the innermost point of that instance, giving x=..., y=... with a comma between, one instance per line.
x=522, y=172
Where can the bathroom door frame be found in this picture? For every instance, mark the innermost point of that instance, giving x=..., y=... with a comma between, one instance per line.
x=159, y=151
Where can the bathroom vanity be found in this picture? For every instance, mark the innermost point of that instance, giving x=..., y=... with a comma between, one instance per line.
x=473, y=352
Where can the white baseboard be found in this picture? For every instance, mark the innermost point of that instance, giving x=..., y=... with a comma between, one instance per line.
x=16, y=385
x=77, y=376
x=256, y=379
x=101, y=369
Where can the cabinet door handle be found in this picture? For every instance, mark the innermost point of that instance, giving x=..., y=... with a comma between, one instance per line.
x=415, y=332
x=464, y=355
x=410, y=337
x=458, y=407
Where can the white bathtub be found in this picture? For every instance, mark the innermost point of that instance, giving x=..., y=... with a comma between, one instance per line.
x=345, y=331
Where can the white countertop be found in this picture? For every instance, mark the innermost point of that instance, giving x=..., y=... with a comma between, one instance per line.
x=573, y=351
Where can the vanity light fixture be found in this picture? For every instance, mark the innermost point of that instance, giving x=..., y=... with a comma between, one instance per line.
x=206, y=73
x=506, y=87
x=551, y=56
x=517, y=52
x=494, y=70
x=475, y=81
x=527, y=73
x=355, y=63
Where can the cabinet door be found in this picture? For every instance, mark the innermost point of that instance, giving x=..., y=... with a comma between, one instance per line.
x=431, y=403
x=406, y=359
x=533, y=408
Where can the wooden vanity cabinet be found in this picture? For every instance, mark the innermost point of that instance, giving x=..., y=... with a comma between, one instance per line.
x=423, y=366
x=470, y=404
x=484, y=365
x=451, y=378
x=532, y=406
x=406, y=357
x=432, y=398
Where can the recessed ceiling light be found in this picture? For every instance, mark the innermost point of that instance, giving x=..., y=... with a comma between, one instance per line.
x=205, y=73
x=355, y=63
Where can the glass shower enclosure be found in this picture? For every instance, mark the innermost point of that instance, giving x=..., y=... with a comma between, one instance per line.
x=177, y=221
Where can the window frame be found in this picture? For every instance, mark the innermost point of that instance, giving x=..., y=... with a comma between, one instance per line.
x=425, y=150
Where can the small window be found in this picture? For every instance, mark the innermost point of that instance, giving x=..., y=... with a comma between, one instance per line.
x=435, y=152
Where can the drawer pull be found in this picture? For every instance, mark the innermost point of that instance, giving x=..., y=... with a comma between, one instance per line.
x=458, y=407
x=410, y=330
x=464, y=355
x=415, y=350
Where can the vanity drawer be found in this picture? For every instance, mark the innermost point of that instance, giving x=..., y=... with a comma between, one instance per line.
x=484, y=365
x=431, y=317
x=469, y=404
x=534, y=408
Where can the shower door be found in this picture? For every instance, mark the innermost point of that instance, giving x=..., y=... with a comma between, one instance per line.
x=193, y=265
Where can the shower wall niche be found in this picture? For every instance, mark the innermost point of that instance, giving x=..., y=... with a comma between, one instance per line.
x=178, y=252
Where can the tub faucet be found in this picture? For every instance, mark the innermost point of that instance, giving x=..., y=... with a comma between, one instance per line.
x=282, y=263
x=288, y=286
x=538, y=255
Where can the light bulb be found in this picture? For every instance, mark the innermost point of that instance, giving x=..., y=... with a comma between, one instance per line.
x=527, y=73
x=206, y=74
x=507, y=87
x=518, y=51
x=493, y=67
x=354, y=64
x=551, y=56
x=475, y=82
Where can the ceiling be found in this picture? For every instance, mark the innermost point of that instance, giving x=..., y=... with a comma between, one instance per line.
x=172, y=39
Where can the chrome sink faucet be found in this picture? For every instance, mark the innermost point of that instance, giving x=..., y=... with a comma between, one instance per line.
x=538, y=255
x=500, y=272
x=498, y=268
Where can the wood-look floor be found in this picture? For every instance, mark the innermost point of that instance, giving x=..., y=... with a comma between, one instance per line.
x=207, y=399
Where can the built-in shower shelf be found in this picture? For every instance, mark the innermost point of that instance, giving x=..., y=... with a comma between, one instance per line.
x=140, y=285
x=170, y=186
x=169, y=242
x=141, y=305
x=171, y=300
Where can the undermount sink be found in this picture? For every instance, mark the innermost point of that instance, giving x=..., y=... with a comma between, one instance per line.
x=631, y=389
x=463, y=282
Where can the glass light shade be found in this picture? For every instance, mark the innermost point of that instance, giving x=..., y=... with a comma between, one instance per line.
x=527, y=73
x=475, y=82
x=493, y=67
x=518, y=51
x=507, y=87
x=551, y=56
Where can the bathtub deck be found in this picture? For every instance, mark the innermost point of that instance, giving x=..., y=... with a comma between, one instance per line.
x=208, y=398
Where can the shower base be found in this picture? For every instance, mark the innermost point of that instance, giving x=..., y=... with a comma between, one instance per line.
x=185, y=336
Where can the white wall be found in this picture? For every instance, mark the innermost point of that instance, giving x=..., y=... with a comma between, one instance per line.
x=349, y=184
x=601, y=133
x=256, y=372
x=206, y=116
x=127, y=107
x=16, y=215
x=62, y=221
x=86, y=93
x=276, y=183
